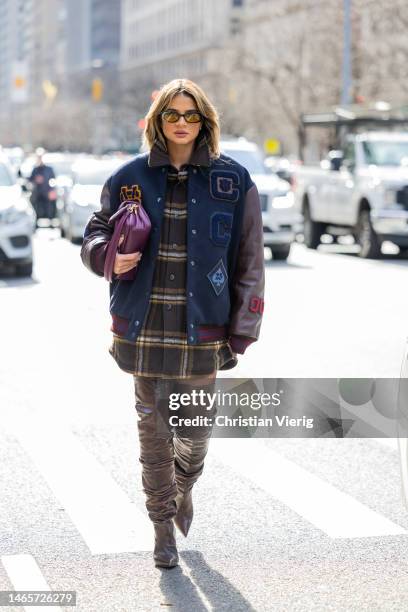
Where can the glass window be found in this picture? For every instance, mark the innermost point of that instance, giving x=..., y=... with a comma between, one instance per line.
x=383, y=153
x=6, y=179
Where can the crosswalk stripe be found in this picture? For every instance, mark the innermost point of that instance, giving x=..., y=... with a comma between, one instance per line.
x=335, y=513
x=25, y=575
x=107, y=520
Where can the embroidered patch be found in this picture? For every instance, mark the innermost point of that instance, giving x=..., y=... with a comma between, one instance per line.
x=132, y=193
x=256, y=304
x=218, y=277
x=224, y=185
x=220, y=228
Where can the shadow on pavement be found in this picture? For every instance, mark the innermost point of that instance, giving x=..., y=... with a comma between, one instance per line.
x=181, y=593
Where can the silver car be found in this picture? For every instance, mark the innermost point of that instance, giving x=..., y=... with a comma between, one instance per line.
x=84, y=198
x=280, y=220
x=17, y=223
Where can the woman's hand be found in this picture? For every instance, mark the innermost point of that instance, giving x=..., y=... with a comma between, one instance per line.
x=126, y=261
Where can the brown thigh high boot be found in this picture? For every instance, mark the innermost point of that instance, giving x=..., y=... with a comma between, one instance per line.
x=190, y=447
x=158, y=477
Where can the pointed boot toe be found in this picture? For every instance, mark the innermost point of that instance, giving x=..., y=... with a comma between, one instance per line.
x=165, y=551
x=184, y=515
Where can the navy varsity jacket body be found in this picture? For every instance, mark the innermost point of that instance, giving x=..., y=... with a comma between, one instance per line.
x=225, y=259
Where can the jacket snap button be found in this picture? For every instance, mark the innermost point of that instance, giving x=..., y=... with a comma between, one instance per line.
x=172, y=277
x=195, y=170
x=191, y=337
x=193, y=200
x=163, y=169
x=194, y=231
x=190, y=294
x=192, y=262
x=158, y=199
x=168, y=306
x=136, y=323
x=191, y=324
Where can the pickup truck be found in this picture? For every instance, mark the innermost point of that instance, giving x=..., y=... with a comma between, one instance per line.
x=361, y=190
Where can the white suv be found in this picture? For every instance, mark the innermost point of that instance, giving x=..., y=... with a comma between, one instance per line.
x=280, y=219
x=17, y=223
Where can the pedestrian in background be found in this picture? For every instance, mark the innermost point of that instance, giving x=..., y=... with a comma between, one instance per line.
x=197, y=299
x=43, y=195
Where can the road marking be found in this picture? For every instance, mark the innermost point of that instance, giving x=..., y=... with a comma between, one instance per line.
x=336, y=513
x=107, y=520
x=25, y=575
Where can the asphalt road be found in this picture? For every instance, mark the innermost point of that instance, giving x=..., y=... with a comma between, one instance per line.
x=282, y=524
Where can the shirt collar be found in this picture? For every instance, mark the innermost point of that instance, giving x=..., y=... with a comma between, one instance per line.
x=200, y=156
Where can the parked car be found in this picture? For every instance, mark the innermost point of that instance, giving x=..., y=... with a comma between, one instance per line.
x=361, y=189
x=17, y=223
x=89, y=176
x=280, y=220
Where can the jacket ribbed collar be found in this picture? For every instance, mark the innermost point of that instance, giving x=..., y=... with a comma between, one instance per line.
x=200, y=156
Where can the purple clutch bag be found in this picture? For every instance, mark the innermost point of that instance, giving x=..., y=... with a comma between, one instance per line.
x=132, y=221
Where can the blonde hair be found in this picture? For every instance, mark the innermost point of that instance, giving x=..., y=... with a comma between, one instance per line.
x=210, y=126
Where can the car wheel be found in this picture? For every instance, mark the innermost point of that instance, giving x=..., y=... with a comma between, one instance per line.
x=281, y=253
x=370, y=245
x=24, y=269
x=312, y=230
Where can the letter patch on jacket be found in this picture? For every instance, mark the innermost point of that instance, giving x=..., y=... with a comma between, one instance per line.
x=218, y=277
x=256, y=304
x=224, y=185
x=130, y=193
x=220, y=228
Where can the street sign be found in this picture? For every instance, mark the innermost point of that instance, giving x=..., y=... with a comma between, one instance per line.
x=272, y=146
x=97, y=89
x=19, y=82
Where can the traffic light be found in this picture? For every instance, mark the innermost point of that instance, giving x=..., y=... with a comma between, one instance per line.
x=97, y=89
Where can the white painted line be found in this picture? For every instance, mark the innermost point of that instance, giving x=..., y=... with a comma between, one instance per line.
x=25, y=575
x=107, y=520
x=335, y=513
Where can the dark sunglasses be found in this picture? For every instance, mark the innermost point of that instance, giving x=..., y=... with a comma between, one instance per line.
x=191, y=116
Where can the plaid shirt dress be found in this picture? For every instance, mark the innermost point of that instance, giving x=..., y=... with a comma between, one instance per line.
x=161, y=349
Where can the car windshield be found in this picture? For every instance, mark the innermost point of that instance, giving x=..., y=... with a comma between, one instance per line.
x=6, y=179
x=386, y=153
x=94, y=176
x=251, y=160
x=61, y=167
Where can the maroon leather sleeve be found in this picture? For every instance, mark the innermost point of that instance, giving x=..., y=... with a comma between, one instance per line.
x=249, y=279
x=97, y=234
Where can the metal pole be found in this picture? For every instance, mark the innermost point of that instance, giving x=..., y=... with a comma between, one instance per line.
x=347, y=72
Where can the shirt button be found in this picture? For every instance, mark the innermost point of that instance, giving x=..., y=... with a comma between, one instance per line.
x=192, y=262
x=193, y=200
x=172, y=277
x=193, y=231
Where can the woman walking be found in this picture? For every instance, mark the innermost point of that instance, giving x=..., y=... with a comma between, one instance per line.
x=197, y=298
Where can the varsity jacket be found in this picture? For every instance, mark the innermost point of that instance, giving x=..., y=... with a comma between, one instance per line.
x=225, y=258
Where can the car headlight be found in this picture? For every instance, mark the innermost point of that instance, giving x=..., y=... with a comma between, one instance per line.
x=283, y=200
